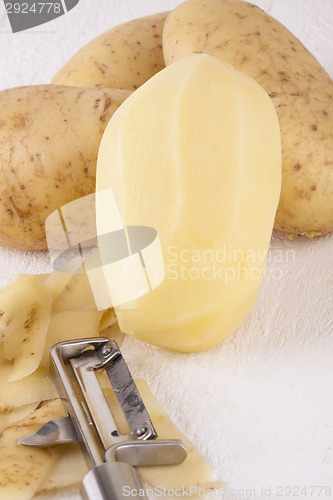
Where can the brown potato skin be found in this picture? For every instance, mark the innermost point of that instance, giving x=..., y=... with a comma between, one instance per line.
x=124, y=57
x=243, y=35
x=49, y=141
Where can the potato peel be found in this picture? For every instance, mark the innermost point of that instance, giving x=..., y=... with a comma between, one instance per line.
x=24, y=469
x=26, y=315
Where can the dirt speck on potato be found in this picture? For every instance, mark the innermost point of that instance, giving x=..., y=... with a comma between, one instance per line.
x=101, y=67
x=30, y=321
x=22, y=121
x=107, y=104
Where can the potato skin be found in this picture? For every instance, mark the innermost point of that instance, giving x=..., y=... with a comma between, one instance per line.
x=241, y=34
x=124, y=57
x=49, y=140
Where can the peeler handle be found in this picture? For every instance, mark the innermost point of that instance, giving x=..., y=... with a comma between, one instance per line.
x=112, y=481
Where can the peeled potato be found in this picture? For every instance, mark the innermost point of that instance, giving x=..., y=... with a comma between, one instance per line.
x=195, y=154
x=49, y=140
x=124, y=57
x=241, y=34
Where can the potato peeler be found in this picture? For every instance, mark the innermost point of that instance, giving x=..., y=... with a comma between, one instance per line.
x=110, y=456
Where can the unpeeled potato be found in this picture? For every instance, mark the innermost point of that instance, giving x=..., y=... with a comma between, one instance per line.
x=243, y=35
x=124, y=57
x=49, y=140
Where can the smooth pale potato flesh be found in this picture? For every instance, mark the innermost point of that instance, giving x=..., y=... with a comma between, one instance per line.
x=124, y=57
x=241, y=34
x=49, y=140
x=195, y=154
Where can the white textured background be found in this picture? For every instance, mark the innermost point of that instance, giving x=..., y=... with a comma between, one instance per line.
x=260, y=405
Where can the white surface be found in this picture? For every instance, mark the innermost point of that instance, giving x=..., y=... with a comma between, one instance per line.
x=260, y=405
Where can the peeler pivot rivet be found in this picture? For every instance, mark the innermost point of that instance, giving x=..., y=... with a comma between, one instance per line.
x=106, y=351
x=140, y=431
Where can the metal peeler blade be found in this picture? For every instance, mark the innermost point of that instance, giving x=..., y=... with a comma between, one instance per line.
x=57, y=431
x=110, y=455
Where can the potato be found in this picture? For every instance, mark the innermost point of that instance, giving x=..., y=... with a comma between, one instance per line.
x=49, y=139
x=124, y=57
x=241, y=34
x=201, y=163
